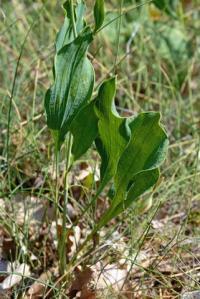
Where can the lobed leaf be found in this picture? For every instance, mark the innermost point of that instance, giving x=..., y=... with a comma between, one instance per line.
x=137, y=169
x=113, y=131
x=131, y=149
x=146, y=150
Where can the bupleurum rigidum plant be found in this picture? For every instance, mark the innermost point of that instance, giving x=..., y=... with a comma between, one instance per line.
x=131, y=149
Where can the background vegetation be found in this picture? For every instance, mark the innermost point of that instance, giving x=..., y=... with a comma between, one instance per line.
x=157, y=55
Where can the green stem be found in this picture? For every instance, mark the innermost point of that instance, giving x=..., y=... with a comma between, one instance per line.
x=103, y=221
x=57, y=159
x=55, y=135
x=80, y=248
x=62, y=243
x=89, y=205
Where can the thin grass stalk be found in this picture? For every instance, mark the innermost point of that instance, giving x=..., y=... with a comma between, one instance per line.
x=11, y=101
x=118, y=34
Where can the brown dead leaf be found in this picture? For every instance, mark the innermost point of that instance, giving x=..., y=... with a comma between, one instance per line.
x=31, y=209
x=166, y=267
x=81, y=283
x=73, y=236
x=38, y=286
x=7, y=244
x=187, y=4
x=87, y=294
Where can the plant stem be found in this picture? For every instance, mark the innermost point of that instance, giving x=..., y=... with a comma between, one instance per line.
x=62, y=243
x=80, y=248
x=55, y=137
x=57, y=159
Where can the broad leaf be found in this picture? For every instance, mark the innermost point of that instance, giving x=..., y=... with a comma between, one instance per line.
x=73, y=86
x=99, y=14
x=146, y=150
x=142, y=182
x=137, y=169
x=113, y=131
x=84, y=129
x=66, y=35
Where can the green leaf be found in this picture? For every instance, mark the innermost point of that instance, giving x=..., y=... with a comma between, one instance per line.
x=146, y=150
x=84, y=129
x=142, y=182
x=137, y=169
x=66, y=35
x=99, y=14
x=113, y=131
x=73, y=86
x=168, y=6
